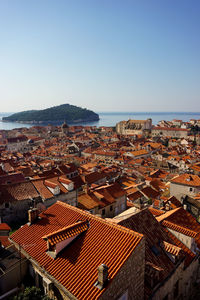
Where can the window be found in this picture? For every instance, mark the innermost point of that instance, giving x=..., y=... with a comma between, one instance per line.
x=155, y=250
x=111, y=208
x=191, y=189
x=103, y=212
x=7, y=205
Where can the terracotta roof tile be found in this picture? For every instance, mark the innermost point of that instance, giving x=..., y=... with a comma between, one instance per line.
x=89, y=201
x=187, y=179
x=17, y=192
x=113, y=245
x=158, y=239
x=182, y=221
x=66, y=232
x=170, y=248
x=178, y=228
x=169, y=128
x=42, y=189
x=4, y=226
x=155, y=212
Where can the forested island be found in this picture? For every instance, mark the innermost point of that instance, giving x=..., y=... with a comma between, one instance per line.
x=56, y=114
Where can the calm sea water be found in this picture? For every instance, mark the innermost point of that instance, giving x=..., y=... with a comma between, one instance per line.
x=110, y=119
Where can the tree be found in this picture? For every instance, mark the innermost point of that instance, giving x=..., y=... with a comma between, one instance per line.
x=31, y=293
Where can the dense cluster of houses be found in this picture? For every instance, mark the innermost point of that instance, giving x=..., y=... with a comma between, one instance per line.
x=101, y=213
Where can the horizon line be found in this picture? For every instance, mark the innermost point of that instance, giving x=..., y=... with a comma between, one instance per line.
x=149, y=112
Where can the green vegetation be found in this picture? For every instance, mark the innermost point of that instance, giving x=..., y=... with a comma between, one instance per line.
x=31, y=293
x=70, y=113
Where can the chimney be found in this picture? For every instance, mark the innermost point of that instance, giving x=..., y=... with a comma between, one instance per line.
x=85, y=188
x=102, y=276
x=32, y=215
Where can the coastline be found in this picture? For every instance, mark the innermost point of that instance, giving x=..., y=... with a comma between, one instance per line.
x=57, y=122
x=109, y=119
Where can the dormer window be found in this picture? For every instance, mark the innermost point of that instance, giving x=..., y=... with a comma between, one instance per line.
x=68, y=184
x=58, y=240
x=189, y=178
x=172, y=251
x=53, y=187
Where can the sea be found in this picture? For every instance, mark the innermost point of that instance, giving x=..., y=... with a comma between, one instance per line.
x=111, y=118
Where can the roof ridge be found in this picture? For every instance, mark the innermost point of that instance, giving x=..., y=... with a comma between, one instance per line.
x=167, y=214
x=65, y=228
x=166, y=222
x=15, y=183
x=111, y=224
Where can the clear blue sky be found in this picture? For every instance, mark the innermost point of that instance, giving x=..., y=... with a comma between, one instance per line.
x=107, y=55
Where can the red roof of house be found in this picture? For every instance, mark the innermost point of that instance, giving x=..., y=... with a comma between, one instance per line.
x=169, y=128
x=178, y=228
x=156, y=212
x=17, y=192
x=4, y=226
x=187, y=179
x=76, y=266
x=158, y=241
x=66, y=232
x=181, y=221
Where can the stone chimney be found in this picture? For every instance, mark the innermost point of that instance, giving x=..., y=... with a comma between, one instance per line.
x=102, y=276
x=32, y=215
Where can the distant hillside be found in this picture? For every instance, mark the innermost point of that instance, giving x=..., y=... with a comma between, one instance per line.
x=67, y=112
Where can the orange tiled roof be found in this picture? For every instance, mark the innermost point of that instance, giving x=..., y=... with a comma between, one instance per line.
x=139, y=152
x=155, y=212
x=172, y=249
x=149, y=192
x=42, y=189
x=17, y=192
x=4, y=226
x=173, y=202
x=113, y=245
x=178, y=228
x=188, y=253
x=182, y=221
x=169, y=128
x=66, y=232
x=157, y=237
x=50, y=184
x=89, y=201
x=187, y=179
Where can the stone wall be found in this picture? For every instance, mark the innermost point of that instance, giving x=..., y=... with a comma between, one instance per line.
x=184, y=279
x=179, y=190
x=69, y=198
x=130, y=277
x=13, y=276
x=171, y=133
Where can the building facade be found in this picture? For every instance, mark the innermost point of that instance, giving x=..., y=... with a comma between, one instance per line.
x=133, y=127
